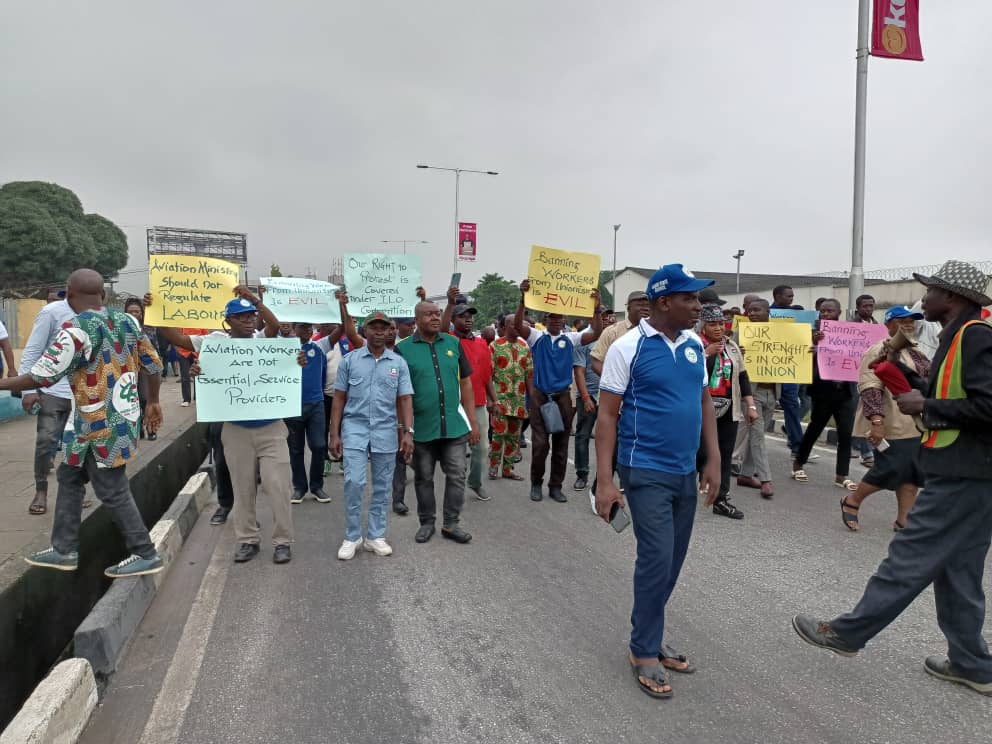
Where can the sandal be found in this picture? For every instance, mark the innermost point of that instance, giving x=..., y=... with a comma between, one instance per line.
x=513, y=476
x=847, y=483
x=671, y=655
x=654, y=673
x=37, y=509
x=800, y=476
x=850, y=520
x=493, y=473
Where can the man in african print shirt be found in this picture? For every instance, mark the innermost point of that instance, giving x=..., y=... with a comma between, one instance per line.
x=100, y=351
x=511, y=377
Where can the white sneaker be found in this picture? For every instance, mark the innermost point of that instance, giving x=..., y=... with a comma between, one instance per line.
x=347, y=550
x=184, y=404
x=379, y=546
x=592, y=502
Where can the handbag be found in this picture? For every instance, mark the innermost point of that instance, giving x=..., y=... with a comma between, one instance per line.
x=551, y=415
x=720, y=406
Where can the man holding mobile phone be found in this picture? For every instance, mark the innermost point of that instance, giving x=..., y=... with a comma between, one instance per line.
x=658, y=373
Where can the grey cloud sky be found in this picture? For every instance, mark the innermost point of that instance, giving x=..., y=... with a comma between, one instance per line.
x=702, y=127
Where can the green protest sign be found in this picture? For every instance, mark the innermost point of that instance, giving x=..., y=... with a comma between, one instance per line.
x=247, y=379
x=381, y=282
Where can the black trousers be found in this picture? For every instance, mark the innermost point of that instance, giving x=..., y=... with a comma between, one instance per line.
x=830, y=401
x=225, y=490
x=726, y=437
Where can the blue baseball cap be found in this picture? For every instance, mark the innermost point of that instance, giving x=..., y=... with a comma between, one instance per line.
x=897, y=312
x=239, y=307
x=673, y=279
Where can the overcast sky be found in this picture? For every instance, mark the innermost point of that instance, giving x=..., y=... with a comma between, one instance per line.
x=701, y=127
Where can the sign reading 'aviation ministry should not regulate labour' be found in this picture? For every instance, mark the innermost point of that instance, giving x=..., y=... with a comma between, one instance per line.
x=301, y=300
x=561, y=281
x=777, y=352
x=248, y=379
x=189, y=291
x=381, y=282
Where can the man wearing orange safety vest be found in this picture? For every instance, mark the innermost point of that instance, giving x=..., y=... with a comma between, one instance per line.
x=948, y=532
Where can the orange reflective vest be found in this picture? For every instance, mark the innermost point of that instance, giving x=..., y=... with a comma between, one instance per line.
x=949, y=388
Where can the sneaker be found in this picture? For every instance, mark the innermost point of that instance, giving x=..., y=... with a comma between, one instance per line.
x=297, y=497
x=135, y=565
x=819, y=633
x=481, y=495
x=220, y=516
x=347, y=550
x=51, y=558
x=245, y=552
x=282, y=554
x=812, y=456
x=580, y=484
x=184, y=404
x=723, y=508
x=379, y=546
x=941, y=668
x=321, y=496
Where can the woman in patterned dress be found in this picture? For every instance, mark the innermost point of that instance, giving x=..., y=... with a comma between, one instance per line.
x=511, y=377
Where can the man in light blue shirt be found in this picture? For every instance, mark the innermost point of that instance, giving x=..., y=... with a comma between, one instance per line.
x=371, y=417
x=55, y=403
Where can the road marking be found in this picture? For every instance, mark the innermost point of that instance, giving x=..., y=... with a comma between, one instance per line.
x=173, y=699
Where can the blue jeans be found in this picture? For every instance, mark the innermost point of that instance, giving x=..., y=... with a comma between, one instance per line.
x=793, y=423
x=307, y=428
x=355, y=479
x=662, y=507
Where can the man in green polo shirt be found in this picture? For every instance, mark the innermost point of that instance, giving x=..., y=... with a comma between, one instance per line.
x=442, y=392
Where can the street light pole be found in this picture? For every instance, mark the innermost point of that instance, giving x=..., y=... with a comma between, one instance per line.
x=458, y=175
x=613, y=290
x=738, y=256
x=856, y=280
x=404, y=242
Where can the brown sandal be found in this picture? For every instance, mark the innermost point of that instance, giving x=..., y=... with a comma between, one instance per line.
x=513, y=476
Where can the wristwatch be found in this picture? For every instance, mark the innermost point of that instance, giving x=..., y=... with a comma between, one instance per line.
x=407, y=429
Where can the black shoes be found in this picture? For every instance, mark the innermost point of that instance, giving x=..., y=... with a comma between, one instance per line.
x=400, y=508
x=555, y=494
x=580, y=484
x=297, y=497
x=245, y=552
x=819, y=633
x=723, y=508
x=535, y=492
x=220, y=516
x=457, y=534
x=941, y=668
x=425, y=533
x=282, y=554
x=321, y=496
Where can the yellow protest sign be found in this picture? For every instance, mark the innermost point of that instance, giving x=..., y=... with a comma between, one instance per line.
x=562, y=281
x=189, y=291
x=738, y=319
x=777, y=352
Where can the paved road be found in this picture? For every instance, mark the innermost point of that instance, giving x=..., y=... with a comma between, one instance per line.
x=521, y=636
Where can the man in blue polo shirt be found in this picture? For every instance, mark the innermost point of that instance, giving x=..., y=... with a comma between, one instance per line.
x=309, y=428
x=658, y=373
x=552, y=351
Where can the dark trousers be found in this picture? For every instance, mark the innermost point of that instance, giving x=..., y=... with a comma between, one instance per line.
x=399, y=479
x=222, y=476
x=557, y=444
x=328, y=402
x=451, y=453
x=830, y=402
x=308, y=430
x=583, y=432
x=662, y=507
x=185, y=380
x=51, y=423
x=112, y=488
x=945, y=543
x=726, y=437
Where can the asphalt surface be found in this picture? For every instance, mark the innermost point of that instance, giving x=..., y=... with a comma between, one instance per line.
x=521, y=636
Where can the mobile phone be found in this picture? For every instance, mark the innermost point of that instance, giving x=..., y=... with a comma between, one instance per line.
x=456, y=279
x=619, y=518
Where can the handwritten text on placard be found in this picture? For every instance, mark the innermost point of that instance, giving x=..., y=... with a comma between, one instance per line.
x=777, y=352
x=381, y=282
x=838, y=355
x=189, y=290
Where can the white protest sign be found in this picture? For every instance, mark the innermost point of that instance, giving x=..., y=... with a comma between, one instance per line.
x=294, y=300
x=381, y=282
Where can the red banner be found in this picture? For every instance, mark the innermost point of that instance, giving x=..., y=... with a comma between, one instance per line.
x=895, y=32
x=466, y=241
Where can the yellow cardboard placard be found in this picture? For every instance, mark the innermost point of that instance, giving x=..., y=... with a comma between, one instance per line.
x=562, y=281
x=778, y=352
x=189, y=291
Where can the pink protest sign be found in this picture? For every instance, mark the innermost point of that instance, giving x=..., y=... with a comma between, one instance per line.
x=838, y=356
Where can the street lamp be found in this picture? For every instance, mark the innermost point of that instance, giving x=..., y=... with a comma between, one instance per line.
x=613, y=291
x=404, y=242
x=738, y=256
x=458, y=174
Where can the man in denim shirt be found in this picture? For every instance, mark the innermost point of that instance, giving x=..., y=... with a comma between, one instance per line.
x=372, y=402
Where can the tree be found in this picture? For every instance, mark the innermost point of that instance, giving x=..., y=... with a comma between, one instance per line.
x=45, y=236
x=605, y=282
x=274, y=270
x=494, y=295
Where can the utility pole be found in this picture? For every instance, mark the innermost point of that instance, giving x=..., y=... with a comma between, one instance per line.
x=738, y=256
x=856, y=279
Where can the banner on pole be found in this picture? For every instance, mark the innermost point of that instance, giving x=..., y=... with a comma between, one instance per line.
x=189, y=291
x=248, y=379
x=562, y=281
x=301, y=300
x=777, y=352
x=895, y=31
x=381, y=282
x=467, y=245
x=839, y=353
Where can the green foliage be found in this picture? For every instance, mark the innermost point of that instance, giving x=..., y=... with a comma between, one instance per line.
x=605, y=282
x=494, y=295
x=45, y=236
x=274, y=270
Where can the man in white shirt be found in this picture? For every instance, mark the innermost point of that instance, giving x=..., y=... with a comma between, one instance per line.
x=8, y=353
x=55, y=402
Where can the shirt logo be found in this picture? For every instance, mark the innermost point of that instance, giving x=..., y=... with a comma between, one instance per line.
x=450, y=352
x=561, y=344
x=125, y=397
x=310, y=353
x=394, y=372
x=691, y=356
